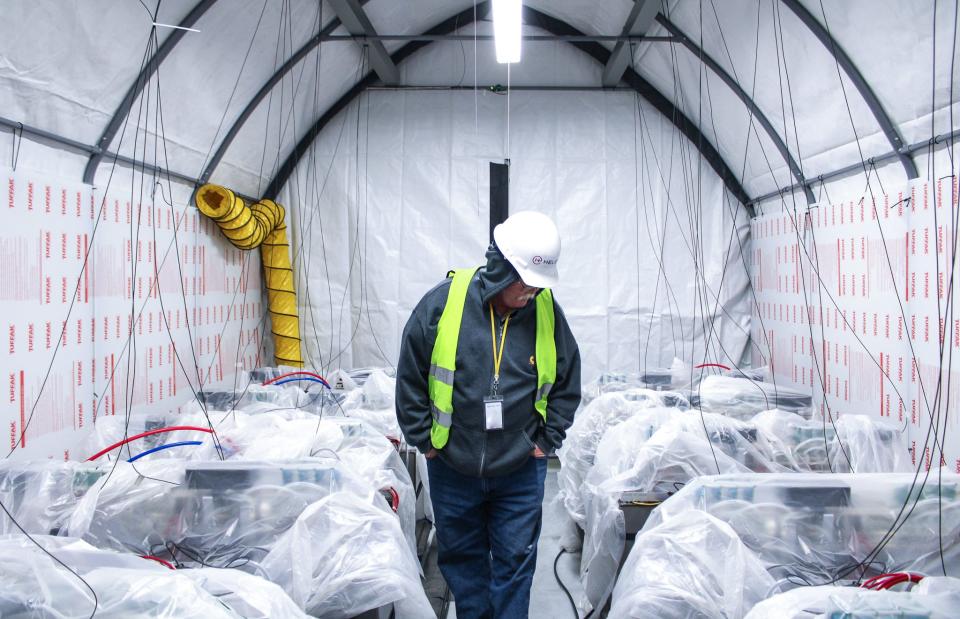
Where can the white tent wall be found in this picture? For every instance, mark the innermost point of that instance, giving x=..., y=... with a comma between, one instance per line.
x=199, y=313
x=416, y=194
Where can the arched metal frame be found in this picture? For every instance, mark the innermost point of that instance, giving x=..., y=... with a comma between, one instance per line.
x=880, y=114
x=251, y=107
x=116, y=121
x=555, y=27
x=744, y=98
x=549, y=24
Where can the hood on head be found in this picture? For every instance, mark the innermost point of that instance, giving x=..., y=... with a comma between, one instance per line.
x=497, y=275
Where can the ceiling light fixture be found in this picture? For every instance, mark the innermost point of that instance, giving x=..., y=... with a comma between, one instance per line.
x=507, y=30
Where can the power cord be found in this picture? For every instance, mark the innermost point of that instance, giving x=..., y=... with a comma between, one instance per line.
x=556, y=575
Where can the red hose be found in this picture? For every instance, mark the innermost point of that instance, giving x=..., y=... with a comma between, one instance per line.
x=147, y=433
x=159, y=560
x=394, y=499
x=887, y=581
x=711, y=365
x=299, y=373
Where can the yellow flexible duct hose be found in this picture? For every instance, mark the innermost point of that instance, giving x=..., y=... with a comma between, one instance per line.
x=261, y=225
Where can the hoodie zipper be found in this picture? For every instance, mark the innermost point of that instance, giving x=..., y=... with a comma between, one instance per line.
x=483, y=449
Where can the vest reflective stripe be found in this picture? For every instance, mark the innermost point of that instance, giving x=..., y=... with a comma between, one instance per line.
x=546, y=350
x=443, y=360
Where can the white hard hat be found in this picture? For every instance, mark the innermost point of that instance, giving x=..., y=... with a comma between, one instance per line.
x=530, y=242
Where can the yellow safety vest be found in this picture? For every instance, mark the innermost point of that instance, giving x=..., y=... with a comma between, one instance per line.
x=443, y=360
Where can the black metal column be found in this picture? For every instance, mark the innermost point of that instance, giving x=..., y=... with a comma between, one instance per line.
x=499, y=194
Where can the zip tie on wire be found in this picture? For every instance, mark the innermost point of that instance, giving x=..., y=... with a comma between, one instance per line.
x=159, y=25
x=304, y=373
x=147, y=433
x=162, y=447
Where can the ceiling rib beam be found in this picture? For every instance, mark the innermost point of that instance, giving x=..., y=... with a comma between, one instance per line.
x=536, y=38
x=48, y=138
x=638, y=22
x=862, y=167
x=355, y=20
x=879, y=113
x=728, y=79
x=552, y=25
x=116, y=121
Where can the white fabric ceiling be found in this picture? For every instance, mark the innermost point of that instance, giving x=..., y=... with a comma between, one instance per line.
x=65, y=67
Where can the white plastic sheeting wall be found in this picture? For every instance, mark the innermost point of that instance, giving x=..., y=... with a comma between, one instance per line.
x=103, y=289
x=382, y=223
x=856, y=296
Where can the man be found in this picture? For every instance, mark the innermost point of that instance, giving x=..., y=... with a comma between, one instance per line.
x=487, y=384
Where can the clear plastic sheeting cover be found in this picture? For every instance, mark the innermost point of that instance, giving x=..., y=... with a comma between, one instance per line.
x=268, y=436
x=618, y=450
x=813, y=528
x=583, y=436
x=40, y=496
x=743, y=398
x=360, y=447
x=235, y=515
x=674, y=377
x=694, y=566
x=933, y=598
x=35, y=586
x=345, y=555
x=759, y=374
x=851, y=444
x=374, y=403
x=675, y=453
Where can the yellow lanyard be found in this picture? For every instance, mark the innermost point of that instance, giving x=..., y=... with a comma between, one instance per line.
x=497, y=356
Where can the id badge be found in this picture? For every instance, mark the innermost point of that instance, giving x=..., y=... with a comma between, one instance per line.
x=493, y=409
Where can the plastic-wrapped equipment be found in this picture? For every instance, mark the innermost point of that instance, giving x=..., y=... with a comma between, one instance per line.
x=269, y=372
x=278, y=437
x=657, y=379
x=743, y=398
x=815, y=528
x=759, y=374
x=933, y=598
x=34, y=586
x=851, y=444
x=373, y=402
x=589, y=425
x=695, y=566
x=676, y=452
x=42, y=495
x=236, y=514
x=344, y=555
x=256, y=398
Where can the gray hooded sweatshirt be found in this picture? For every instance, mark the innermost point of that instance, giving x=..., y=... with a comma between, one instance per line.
x=471, y=449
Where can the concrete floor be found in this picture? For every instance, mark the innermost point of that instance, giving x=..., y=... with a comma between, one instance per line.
x=546, y=597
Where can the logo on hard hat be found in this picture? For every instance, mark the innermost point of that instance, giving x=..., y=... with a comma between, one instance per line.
x=537, y=260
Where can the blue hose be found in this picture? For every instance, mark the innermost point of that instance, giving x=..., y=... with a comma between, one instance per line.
x=162, y=447
x=307, y=378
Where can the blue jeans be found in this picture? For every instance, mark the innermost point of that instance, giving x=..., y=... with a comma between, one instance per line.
x=487, y=533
